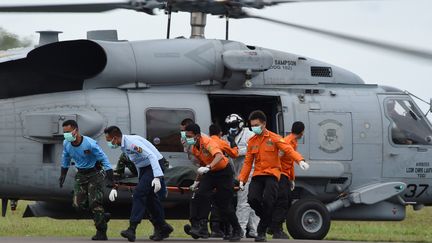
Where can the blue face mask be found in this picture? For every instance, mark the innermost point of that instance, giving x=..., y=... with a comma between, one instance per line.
x=190, y=141
x=69, y=137
x=111, y=145
x=257, y=130
x=183, y=135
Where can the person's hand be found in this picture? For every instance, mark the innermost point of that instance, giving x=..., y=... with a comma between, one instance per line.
x=203, y=170
x=292, y=185
x=231, y=140
x=63, y=173
x=156, y=184
x=113, y=195
x=242, y=185
x=62, y=180
x=194, y=186
x=304, y=165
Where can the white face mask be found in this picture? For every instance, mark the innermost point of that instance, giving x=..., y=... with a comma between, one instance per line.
x=257, y=130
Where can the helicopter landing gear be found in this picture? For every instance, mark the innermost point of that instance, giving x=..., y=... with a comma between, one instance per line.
x=308, y=219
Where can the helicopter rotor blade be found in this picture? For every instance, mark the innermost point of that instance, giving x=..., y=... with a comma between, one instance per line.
x=72, y=8
x=423, y=54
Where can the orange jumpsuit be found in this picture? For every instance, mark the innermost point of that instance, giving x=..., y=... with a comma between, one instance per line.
x=225, y=147
x=263, y=150
x=287, y=162
x=206, y=153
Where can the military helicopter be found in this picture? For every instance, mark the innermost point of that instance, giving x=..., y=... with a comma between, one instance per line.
x=369, y=146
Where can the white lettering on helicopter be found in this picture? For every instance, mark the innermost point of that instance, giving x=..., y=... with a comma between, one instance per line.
x=283, y=64
x=422, y=169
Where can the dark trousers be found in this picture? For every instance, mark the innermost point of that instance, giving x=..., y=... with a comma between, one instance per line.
x=145, y=198
x=283, y=202
x=222, y=181
x=262, y=195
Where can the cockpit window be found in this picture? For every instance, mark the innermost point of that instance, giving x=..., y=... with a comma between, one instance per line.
x=408, y=124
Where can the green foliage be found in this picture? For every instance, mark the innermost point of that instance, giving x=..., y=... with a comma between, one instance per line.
x=9, y=40
x=415, y=228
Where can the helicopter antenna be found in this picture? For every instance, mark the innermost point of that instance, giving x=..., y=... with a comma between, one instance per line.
x=198, y=22
x=169, y=21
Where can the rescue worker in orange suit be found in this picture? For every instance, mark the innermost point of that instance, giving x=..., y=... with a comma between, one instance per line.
x=219, y=227
x=286, y=182
x=263, y=152
x=216, y=173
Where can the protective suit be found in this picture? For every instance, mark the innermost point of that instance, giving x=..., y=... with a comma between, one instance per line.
x=245, y=214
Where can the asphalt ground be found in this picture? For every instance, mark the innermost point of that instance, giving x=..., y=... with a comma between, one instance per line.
x=174, y=240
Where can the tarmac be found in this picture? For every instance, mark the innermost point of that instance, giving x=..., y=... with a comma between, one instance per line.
x=174, y=240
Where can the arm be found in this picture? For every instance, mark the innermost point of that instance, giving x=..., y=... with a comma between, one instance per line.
x=101, y=156
x=247, y=166
x=232, y=152
x=66, y=158
x=148, y=154
x=121, y=165
x=218, y=157
x=288, y=150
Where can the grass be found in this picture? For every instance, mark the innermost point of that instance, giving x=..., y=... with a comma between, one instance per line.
x=415, y=228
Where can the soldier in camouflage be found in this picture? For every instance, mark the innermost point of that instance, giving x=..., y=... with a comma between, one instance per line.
x=123, y=163
x=89, y=180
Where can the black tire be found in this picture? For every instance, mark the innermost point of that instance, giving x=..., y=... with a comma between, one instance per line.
x=308, y=219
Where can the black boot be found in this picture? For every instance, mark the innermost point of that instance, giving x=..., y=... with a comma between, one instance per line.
x=187, y=228
x=130, y=232
x=216, y=231
x=236, y=234
x=200, y=230
x=100, y=235
x=162, y=232
x=261, y=237
x=278, y=232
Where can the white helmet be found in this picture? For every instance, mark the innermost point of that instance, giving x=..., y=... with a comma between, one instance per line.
x=234, y=120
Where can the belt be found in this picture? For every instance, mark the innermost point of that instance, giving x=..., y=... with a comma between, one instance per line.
x=86, y=170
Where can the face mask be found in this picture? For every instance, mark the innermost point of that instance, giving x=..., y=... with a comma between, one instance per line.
x=233, y=131
x=257, y=130
x=69, y=137
x=190, y=141
x=111, y=145
x=183, y=135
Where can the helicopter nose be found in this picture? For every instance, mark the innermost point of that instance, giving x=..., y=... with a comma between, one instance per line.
x=80, y=59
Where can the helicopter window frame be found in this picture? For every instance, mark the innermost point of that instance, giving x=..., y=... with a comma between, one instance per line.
x=169, y=146
x=405, y=104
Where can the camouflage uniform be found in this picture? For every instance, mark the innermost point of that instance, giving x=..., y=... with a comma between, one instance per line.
x=88, y=196
x=123, y=163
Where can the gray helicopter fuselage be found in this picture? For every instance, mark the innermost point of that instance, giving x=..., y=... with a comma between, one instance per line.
x=366, y=161
x=346, y=139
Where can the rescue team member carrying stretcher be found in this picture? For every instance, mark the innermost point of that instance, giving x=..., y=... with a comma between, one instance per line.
x=263, y=151
x=216, y=173
x=89, y=181
x=286, y=182
x=145, y=197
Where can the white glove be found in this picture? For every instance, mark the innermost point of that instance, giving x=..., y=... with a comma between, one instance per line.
x=156, y=184
x=304, y=165
x=242, y=185
x=113, y=195
x=292, y=185
x=203, y=170
x=194, y=186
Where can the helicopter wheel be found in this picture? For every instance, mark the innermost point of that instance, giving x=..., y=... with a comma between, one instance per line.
x=308, y=219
